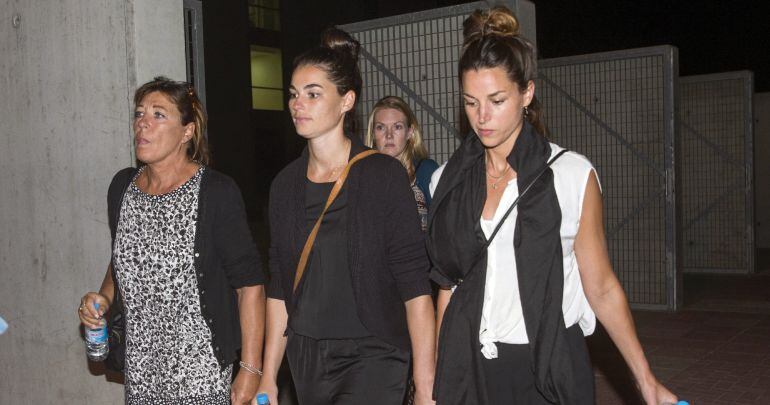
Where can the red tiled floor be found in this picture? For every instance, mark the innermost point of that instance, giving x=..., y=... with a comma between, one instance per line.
x=703, y=355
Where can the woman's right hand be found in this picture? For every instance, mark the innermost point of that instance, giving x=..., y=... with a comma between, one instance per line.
x=89, y=315
x=270, y=387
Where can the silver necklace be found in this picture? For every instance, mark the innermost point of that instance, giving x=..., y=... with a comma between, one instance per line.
x=499, y=178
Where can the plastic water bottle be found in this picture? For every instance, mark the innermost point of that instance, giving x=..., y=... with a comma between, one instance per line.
x=262, y=399
x=97, y=345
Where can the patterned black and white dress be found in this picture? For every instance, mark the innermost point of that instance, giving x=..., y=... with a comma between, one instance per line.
x=422, y=206
x=169, y=355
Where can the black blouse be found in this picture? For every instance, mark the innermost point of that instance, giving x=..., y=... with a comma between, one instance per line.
x=326, y=308
x=385, y=250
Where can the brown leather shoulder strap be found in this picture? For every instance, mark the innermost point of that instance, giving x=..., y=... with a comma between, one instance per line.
x=302, y=265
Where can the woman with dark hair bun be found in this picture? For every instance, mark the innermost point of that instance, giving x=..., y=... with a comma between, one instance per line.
x=517, y=243
x=185, y=272
x=349, y=295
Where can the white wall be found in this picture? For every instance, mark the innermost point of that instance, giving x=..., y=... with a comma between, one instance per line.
x=67, y=73
x=762, y=170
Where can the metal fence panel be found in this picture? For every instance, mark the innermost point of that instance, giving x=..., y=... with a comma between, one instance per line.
x=715, y=117
x=617, y=108
x=415, y=57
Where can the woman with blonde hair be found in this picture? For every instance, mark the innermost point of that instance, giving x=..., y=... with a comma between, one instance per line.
x=393, y=130
x=517, y=244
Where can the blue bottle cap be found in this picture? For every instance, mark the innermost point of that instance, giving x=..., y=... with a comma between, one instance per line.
x=262, y=399
x=682, y=403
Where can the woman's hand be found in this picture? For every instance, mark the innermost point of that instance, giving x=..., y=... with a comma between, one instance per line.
x=244, y=388
x=654, y=393
x=89, y=315
x=269, y=387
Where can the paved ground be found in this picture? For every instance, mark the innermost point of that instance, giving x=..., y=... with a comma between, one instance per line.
x=715, y=351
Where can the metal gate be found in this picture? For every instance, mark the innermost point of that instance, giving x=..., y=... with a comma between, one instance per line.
x=415, y=56
x=193, y=46
x=715, y=118
x=617, y=108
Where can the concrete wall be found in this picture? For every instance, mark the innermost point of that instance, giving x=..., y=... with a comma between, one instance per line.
x=762, y=170
x=67, y=73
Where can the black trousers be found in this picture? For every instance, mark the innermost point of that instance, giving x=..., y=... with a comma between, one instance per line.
x=347, y=371
x=510, y=380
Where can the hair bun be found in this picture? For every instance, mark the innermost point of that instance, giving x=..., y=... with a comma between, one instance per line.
x=339, y=40
x=498, y=21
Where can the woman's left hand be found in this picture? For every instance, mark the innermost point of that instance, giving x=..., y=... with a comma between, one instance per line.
x=654, y=393
x=244, y=388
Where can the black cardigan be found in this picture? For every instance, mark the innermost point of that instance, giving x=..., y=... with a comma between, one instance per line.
x=386, y=248
x=225, y=255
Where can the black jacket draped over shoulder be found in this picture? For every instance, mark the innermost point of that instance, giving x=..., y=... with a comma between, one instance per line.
x=386, y=248
x=455, y=245
x=225, y=255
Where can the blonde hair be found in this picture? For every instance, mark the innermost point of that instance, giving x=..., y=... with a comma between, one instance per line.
x=415, y=148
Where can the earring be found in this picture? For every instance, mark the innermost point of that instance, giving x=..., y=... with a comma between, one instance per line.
x=526, y=111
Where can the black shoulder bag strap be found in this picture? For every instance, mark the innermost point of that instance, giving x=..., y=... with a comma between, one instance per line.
x=516, y=201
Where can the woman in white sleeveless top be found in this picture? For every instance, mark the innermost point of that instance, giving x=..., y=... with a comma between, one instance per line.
x=512, y=315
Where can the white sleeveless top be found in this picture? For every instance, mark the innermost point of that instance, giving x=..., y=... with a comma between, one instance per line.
x=502, y=318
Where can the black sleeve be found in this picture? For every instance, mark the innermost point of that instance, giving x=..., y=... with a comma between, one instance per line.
x=442, y=281
x=407, y=257
x=233, y=241
x=275, y=286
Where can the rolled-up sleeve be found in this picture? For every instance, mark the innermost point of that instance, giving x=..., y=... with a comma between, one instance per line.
x=407, y=257
x=235, y=246
x=274, y=286
x=441, y=280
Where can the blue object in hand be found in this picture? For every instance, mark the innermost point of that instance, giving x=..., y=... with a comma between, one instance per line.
x=262, y=399
x=682, y=403
x=3, y=325
x=97, y=345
